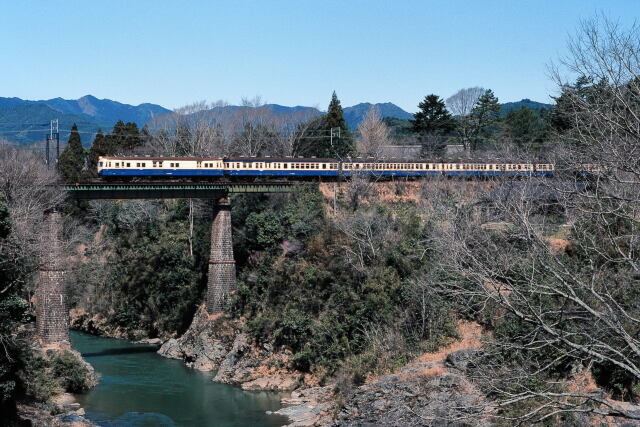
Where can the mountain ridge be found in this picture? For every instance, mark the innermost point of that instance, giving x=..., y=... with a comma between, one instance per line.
x=27, y=121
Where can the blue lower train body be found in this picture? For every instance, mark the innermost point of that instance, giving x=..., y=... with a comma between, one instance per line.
x=162, y=172
x=314, y=173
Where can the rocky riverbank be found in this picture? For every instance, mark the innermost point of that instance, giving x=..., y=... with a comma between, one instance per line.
x=217, y=343
x=432, y=388
x=61, y=409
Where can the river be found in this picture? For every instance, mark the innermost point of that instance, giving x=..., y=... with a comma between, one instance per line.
x=140, y=388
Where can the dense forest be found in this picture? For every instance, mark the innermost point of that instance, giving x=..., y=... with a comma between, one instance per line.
x=361, y=281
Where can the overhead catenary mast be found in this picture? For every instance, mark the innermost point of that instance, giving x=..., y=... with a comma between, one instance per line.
x=54, y=134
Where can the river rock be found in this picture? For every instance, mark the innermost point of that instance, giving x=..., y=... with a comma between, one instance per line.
x=171, y=349
x=460, y=359
x=278, y=382
x=420, y=394
x=309, y=407
x=226, y=371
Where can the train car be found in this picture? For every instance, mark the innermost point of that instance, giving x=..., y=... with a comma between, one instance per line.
x=133, y=166
x=544, y=169
x=391, y=168
x=280, y=167
x=487, y=169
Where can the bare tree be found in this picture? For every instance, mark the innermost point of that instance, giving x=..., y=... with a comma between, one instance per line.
x=30, y=189
x=560, y=260
x=461, y=104
x=373, y=134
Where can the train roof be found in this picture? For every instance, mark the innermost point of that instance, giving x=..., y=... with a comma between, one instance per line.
x=280, y=159
x=185, y=158
x=324, y=160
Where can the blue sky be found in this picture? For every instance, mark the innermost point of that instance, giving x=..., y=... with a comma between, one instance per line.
x=289, y=52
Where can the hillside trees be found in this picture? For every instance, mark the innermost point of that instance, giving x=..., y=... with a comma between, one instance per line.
x=329, y=287
x=150, y=266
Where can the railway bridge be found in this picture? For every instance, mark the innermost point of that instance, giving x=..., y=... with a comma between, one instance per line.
x=52, y=312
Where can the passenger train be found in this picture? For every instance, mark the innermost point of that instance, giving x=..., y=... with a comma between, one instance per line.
x=135, y=166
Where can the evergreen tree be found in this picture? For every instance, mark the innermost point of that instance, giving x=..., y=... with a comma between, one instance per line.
x=483, y=117
x=526, y=127
x=73, y=157
x=98, y=148
x=433, y=117
x=317, y=139
x=584, y=90
x=124, y=137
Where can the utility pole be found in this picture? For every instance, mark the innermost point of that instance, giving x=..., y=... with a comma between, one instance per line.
x=54, y=134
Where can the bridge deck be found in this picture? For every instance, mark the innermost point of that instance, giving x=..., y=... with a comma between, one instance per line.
x=142, y=190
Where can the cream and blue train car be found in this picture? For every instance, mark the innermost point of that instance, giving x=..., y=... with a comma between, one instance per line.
x=280, y=167
x=399, y=168
x=126, y=166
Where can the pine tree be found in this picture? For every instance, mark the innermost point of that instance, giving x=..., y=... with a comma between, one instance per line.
x=73, y=157
x=483, y=117
x=98, y=148
x=342, y=145
x=433, y=117
x=317, y=139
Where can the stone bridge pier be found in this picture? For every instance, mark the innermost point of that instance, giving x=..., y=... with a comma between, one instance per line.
x=52, y=312
x=221, y=280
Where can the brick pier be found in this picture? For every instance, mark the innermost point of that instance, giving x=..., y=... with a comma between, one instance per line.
x=52, y=313
x=222, y=267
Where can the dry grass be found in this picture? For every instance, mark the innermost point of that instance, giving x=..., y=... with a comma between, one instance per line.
x=558, y=246
x=470, y=338
x=582, y=382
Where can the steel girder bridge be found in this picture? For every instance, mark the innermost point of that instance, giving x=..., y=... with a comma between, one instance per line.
x=178, y=190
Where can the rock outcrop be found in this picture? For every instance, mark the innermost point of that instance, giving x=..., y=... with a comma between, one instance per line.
x=420, y=394
x=217, y=343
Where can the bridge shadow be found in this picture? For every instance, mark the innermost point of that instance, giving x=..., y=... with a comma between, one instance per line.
x=123, y=350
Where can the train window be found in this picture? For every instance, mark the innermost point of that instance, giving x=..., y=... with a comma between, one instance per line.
x=99, y=164
x=285, y=165
x=128, y=164
x=117, y=164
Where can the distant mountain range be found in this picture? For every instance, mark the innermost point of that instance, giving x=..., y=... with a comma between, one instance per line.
x=25, y=122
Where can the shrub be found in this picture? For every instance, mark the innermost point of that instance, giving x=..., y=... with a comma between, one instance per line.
x=72, y=374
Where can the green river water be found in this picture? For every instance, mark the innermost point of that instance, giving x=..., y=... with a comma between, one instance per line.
x=140, y=388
